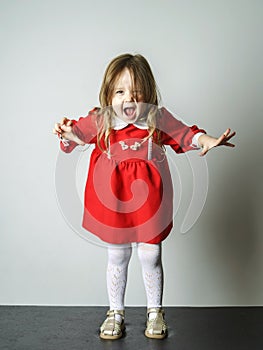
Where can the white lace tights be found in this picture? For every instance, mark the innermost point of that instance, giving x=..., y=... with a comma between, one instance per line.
x=152, y=271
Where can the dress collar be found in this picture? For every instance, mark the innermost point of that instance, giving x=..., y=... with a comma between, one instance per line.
x=119, y=124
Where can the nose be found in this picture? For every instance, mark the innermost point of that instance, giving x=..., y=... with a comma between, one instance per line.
x=129, y=96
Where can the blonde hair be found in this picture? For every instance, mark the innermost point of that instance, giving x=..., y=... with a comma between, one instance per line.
x=143, y=80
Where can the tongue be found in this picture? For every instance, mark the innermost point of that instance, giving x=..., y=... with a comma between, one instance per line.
x=129, y=111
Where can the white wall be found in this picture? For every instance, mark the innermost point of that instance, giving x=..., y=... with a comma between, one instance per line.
x=206, y=57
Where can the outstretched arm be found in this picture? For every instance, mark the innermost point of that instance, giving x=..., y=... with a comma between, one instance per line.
x=208, y=142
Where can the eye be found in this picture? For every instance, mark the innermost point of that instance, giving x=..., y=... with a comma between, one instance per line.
x=119, y=92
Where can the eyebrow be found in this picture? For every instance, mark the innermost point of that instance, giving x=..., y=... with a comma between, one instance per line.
x=122, y=88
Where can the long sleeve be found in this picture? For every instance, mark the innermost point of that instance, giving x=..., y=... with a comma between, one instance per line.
x=175, y=133
x=86, y=128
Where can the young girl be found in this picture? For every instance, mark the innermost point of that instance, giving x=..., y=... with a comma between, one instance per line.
x=128, y=195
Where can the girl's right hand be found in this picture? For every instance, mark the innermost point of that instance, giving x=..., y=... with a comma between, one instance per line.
x=64, y=129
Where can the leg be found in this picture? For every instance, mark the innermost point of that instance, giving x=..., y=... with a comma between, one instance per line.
x=152, y=270
x=117, y=269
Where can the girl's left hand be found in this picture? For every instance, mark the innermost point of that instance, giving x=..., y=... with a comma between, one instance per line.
x=208, y=142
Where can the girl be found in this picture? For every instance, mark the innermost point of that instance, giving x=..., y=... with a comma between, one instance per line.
x=128, y=195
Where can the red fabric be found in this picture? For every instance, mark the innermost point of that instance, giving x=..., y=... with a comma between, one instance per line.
x=129, y=198
x=175, y=133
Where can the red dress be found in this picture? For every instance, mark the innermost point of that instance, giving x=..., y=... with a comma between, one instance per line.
x=129, y=192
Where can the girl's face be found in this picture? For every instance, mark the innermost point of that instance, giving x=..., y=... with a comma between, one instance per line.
x=127, y=102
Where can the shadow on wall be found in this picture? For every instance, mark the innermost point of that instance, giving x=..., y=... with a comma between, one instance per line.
x=234, y=220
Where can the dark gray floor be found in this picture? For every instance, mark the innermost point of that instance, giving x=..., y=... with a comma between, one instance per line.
x=76, y=328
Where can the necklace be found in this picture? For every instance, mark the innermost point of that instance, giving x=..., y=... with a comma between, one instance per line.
x=133, y=147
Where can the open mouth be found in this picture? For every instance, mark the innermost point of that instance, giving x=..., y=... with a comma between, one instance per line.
x=130, y=112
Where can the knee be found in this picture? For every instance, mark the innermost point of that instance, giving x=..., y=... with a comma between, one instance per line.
x=149, y=255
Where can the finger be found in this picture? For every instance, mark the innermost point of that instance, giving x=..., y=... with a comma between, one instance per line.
x=230, y=136
x=64, y=127
x=64, y=120
x=224, y=137
x=227, y=138
x=228, y=144
x=220, y=140
x=58, y=127
x=203, y=152
x=69, y=122
x=227, y=132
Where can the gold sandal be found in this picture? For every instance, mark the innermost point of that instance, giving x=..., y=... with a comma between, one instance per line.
x=156, y=328
x=111, y=328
